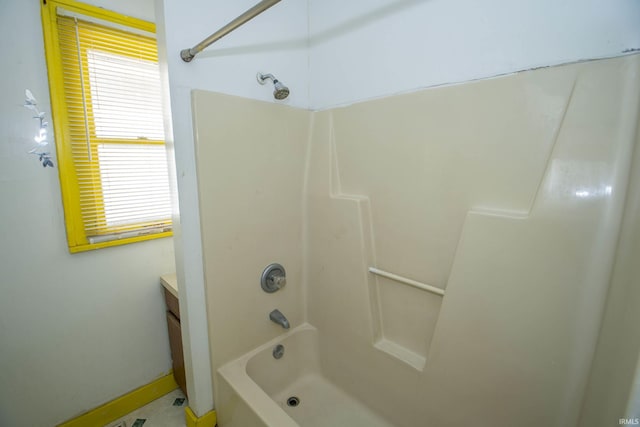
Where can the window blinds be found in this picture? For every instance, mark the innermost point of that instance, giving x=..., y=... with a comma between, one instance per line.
x=114, y=129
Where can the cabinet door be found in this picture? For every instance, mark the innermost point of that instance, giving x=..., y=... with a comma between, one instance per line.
x=175, y=341
x=172, y=303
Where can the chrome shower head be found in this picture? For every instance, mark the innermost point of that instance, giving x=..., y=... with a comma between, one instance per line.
x=280, y=91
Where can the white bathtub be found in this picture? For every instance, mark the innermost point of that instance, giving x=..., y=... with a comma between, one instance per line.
x=255, y=389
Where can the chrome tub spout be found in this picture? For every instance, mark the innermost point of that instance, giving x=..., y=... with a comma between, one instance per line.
x=277, y=317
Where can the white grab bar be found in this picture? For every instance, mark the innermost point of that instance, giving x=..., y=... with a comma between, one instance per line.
x=406, y=281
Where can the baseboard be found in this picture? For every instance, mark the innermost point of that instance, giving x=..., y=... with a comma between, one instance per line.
x=123, y=405
x=207, y=420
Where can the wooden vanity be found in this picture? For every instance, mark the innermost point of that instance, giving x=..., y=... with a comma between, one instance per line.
x=170, y=287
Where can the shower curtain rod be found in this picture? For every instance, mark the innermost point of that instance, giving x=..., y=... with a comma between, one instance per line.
x=188, y=54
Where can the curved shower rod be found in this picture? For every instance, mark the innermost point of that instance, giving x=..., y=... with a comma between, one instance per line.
x=188, y=54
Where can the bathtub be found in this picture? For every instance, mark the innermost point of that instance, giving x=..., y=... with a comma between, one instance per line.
x=259, y=390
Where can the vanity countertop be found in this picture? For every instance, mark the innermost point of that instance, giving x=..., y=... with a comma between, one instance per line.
x=170, y=283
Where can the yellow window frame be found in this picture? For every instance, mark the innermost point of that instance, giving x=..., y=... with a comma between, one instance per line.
x=76, y=237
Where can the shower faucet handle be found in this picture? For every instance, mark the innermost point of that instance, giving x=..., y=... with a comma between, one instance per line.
x=278, y=281
x=273, y=278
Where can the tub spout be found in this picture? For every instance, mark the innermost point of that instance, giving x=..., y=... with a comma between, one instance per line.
x=279, y=318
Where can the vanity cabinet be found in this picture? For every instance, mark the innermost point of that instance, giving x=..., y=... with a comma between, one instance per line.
x=175, y=333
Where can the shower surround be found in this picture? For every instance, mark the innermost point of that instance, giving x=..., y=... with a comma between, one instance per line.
x=507, y=193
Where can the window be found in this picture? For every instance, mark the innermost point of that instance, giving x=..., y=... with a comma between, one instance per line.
x=107, y=112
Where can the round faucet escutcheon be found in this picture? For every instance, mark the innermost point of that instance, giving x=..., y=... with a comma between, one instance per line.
x=273, y=278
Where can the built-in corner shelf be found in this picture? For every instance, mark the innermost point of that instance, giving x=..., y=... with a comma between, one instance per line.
x=406, y=316
x=412, y=359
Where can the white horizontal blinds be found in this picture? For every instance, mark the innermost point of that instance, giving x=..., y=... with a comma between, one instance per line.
x=112, y=90
x=134, y=183
x=125, y=95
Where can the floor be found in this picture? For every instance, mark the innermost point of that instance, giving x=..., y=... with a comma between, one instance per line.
x=167, y=411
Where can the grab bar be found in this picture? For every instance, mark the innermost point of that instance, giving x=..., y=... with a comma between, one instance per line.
x=406, y=281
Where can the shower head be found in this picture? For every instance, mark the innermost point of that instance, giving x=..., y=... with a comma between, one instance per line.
x=280, y=91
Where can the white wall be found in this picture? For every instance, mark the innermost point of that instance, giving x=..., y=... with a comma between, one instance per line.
x=361, y=50
x=75, y=330
x=274, y=42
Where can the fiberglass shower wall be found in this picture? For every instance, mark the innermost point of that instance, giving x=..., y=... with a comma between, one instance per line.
x=507, y=193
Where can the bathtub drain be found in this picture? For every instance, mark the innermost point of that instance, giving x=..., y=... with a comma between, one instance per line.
x=293, y=401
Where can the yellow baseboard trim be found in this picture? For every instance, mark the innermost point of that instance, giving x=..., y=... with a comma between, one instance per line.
x=207, y=420
x=121, y=406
